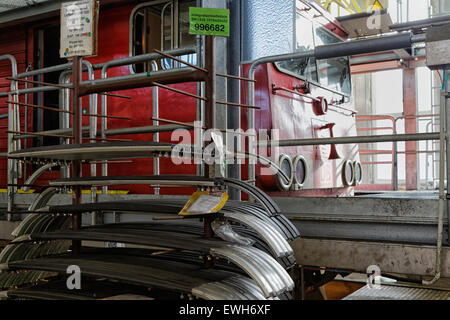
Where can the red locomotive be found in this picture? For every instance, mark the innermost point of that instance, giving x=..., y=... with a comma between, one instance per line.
x=302, y=98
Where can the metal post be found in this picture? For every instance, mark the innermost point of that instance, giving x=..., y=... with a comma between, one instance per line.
x=104, y=127
x=443, y=142
x=234, y=89
x=427, y=156
x=410, y=111
x=395, y=165
x=210, y=93
x=12, y=174
x=210, y=90
x=64, y=122
x=446, y=124
x=25, y=124
x=92, y=135
x=77, y=134
x=12, y=145
x=155, y=114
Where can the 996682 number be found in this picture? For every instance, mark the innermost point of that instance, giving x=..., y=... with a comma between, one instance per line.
x=209, y=27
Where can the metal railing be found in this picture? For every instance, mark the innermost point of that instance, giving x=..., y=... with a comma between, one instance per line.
x=101, y=87
x=394, y=152
x=15, y=134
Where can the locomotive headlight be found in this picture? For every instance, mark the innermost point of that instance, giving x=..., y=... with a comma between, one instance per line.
x=357, y=167
x=300, y=171
x=320, y=106
x=284, y=181
x=348, y=173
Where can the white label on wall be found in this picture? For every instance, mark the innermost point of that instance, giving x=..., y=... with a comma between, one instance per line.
x=77, y=28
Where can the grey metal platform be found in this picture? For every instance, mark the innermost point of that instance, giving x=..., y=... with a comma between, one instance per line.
x=388, y=292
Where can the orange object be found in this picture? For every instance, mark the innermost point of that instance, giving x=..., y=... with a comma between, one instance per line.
x=337, y=290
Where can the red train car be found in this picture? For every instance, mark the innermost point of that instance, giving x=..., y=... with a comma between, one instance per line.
x=302, y=98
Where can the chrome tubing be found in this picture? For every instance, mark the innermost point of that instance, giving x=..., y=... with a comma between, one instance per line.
x=155, y=114
x=104, y=99
x=13, y=125
x=278, y=244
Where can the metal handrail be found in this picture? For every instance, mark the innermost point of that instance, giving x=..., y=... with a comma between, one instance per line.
x=394, y=152
x=104, y=100
x=13, y=124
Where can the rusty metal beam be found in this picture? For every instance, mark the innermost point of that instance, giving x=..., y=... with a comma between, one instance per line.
x=409, y=110
x=24, y=135
x=179, y=91
x=39, y=107
x=374, y=67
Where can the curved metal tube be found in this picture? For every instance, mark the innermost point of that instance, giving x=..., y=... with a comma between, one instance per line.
x=18, y=230
x=32, y=179
x=247, y=285
x=248, y=266
x=43, y=198
x=267, y=266
x=280, y=247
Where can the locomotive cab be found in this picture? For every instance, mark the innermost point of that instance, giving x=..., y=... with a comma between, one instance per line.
x=308, y=98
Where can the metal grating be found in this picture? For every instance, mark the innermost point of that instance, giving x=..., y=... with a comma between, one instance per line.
x=398, y=293
x=6, y=5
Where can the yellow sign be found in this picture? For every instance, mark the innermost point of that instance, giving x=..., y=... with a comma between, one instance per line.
x=204, y=202
x=377, y=6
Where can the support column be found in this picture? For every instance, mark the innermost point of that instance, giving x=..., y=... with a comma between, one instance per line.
x=410, y=109
x=234, y=89
x=77, y=134
x=210, y=121
x=210, y=90
x=446, y=100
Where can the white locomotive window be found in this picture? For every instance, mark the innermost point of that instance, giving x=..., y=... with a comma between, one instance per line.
x=163, y=26
x=333, y=73
x=305, y=68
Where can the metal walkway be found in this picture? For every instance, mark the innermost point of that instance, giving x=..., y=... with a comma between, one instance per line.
x=386, y=292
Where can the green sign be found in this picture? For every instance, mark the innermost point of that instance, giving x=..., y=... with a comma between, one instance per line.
x=209, y=21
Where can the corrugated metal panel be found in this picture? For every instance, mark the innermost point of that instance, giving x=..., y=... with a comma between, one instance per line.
x=386, y=292
x=268, y=28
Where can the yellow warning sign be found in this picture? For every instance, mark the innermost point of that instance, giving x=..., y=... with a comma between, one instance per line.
x=377, y=6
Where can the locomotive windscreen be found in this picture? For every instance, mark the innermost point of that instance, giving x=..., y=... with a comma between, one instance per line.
x=331, y=73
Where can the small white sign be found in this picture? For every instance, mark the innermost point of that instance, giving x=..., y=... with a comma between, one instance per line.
x=204, y=204
x=78, y=28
